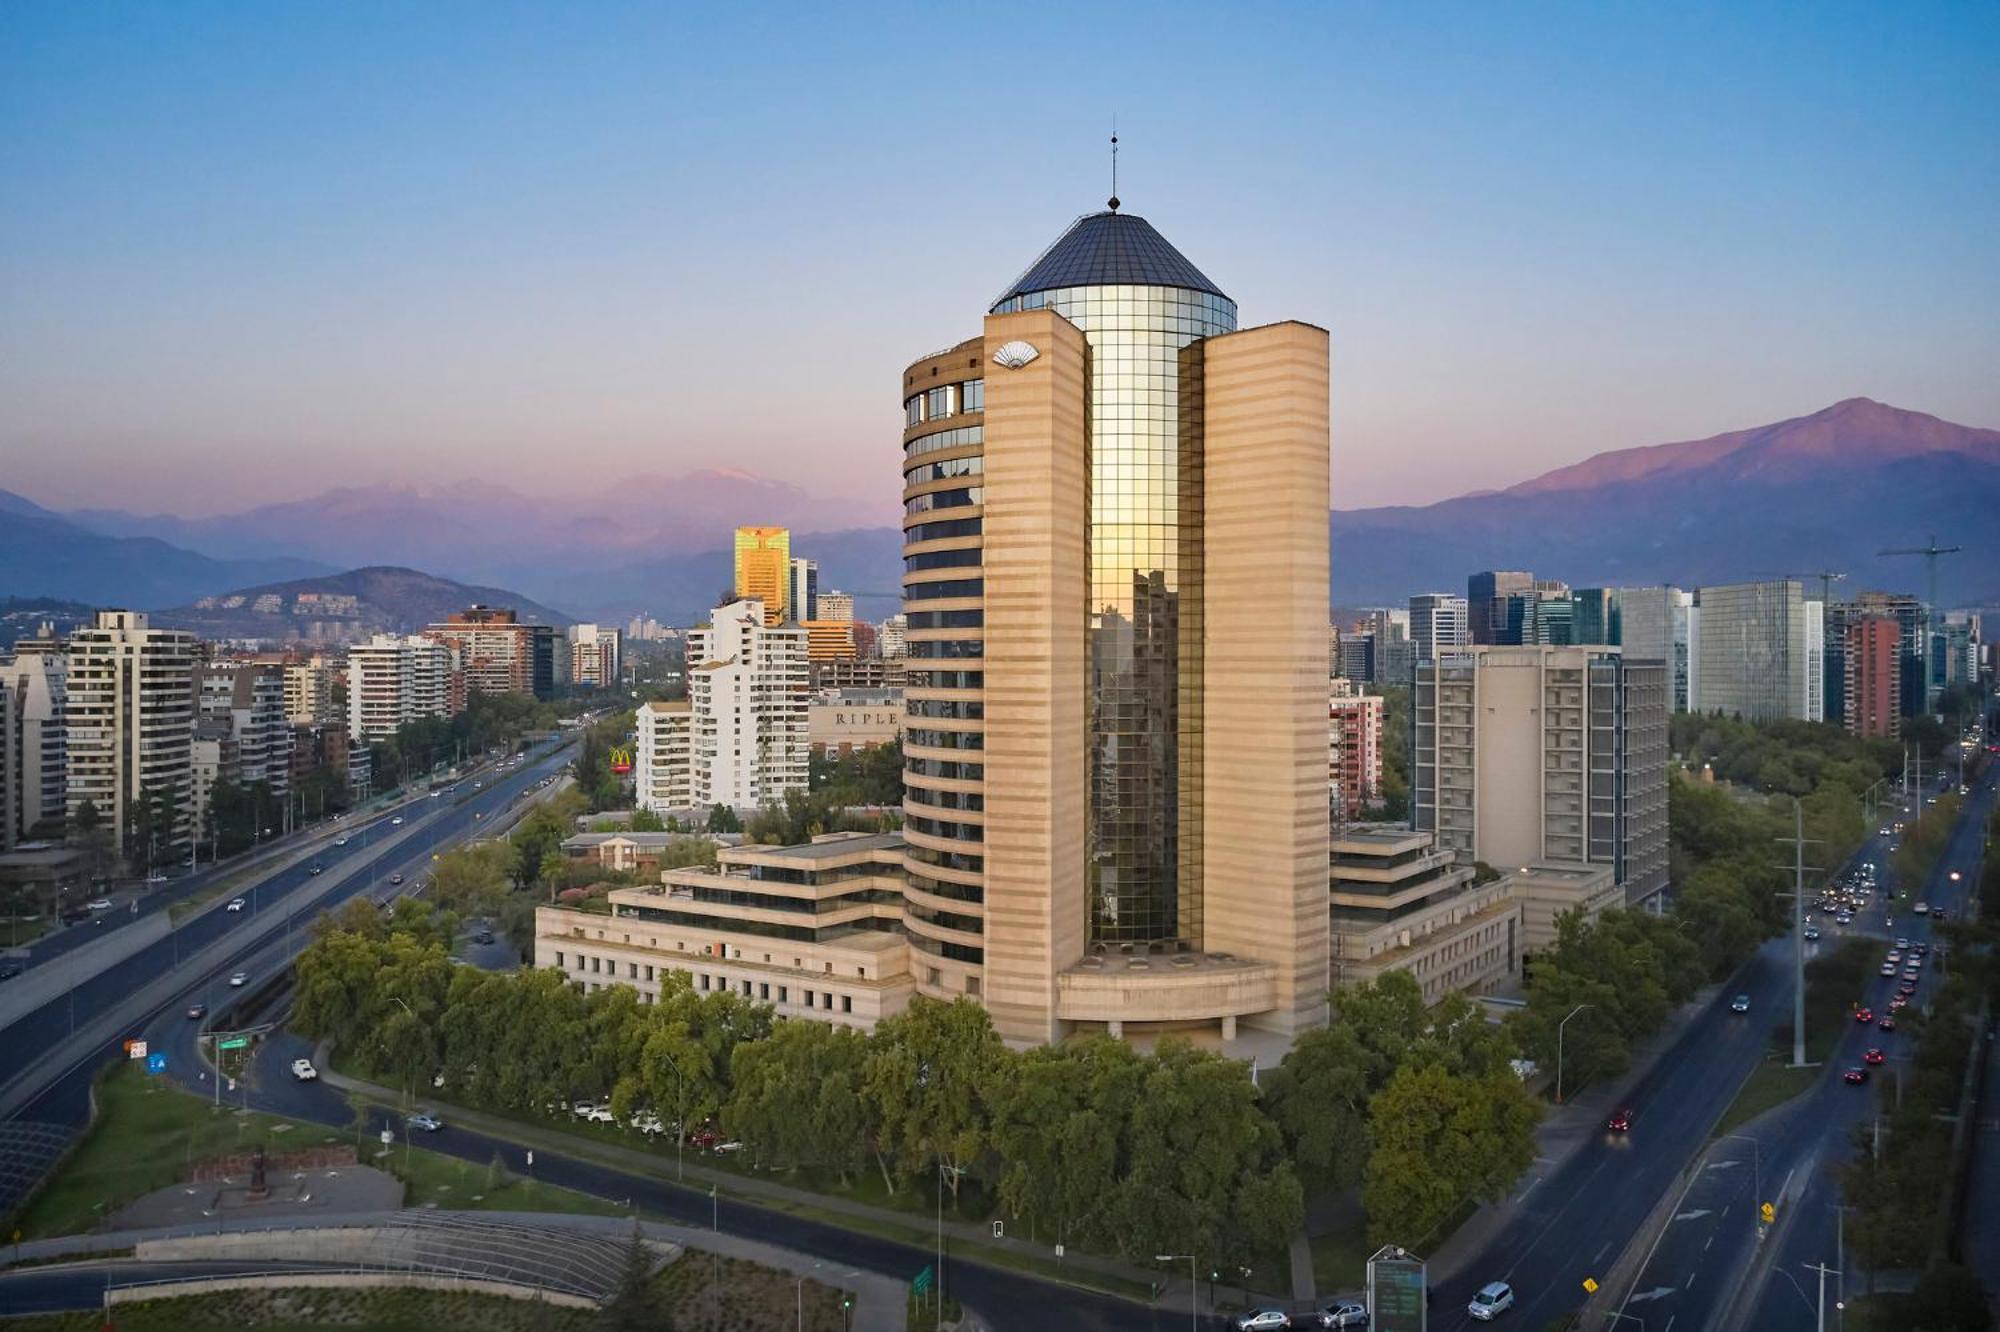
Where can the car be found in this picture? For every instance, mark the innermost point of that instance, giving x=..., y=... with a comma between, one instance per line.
x=396, y=822
x=428, y=1123
x=75, y=914
x=483, y=937
x=340, y=841
x=1874, y=1055
x=1938, y=913
x=1343, y=1315
x=1864, y=1015
x=436, y=794
x=587, y=1109
x=1844, y=918
x=236, y=904
x=317, y=869
x=599, y=1114
x=1740, y=1004
x=303, y=1070
x=99, y=904
x=1883, y=832
x=9, y=970
x=1812, y=933
x=1894, y=955
x=1902, y=943
x=1907, y=987
x=1888, y=968
x=725, y=1148
x=1897, y=1002
x=477, y=785
x=1887, y=1023
x=239, y=979
x=1856, y=1076
x=196, y=1012
x=1494, y=1298
x=395, y=878
x=1912, y=971
x=1263, y=1320
x=1620, y=1121
x=1922, y=908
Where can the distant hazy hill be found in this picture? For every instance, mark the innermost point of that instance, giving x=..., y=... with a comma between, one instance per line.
x=1826, y=491
x=342, y=607
x=21, y=617
x=43, y=554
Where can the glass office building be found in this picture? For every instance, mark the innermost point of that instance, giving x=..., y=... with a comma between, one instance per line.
x=1140, y=304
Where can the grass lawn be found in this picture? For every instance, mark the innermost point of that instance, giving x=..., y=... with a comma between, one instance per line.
x=149, y=1131
x=1769, y=1085
x=20, y=931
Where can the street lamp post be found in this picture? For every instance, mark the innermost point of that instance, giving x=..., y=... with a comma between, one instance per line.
x=1559, y=1048
x=1193, y=1284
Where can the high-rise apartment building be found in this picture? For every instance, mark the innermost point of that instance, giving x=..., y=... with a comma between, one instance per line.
x=1115, y=595
x=1757, y=651
x=37, y=680
x=764, y=571
x=10, y=778
x=309, y=691
x=1596, y=617
x=1392, y=655
x=1487, y=607
x=747, y=684
x=1354, y=748
x=130, y=722
x=1912, y=618
x=1438, y=621
x=593, y=656
x=802, y=592
x=498, y=653
x=1653, y=626
x=830, y=640
x=394, y=680
x=247, y=703
x=663, y=758
x=891, y=637
x=1872, y=676
x=835, y=605
x=1529, y=755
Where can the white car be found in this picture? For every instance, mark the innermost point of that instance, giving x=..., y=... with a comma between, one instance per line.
x=1922, y=908
x=236, y=904
x=99, y=904
x=239, y=979
x=303, y=1070
x=396, y=822
x=340, y=841
x=428, y=1123
x=1494, y=1298
x=1259, y=1320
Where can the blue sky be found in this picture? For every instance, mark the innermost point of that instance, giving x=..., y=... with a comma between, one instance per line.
x=250, y=251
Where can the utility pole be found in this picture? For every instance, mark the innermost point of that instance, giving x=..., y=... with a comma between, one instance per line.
x=1799, y=867
x=1824, y=1271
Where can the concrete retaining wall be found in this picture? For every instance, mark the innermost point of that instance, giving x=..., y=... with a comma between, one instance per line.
x=340, y=1281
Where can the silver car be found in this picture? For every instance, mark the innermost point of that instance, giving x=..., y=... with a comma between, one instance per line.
x=1494, y=1298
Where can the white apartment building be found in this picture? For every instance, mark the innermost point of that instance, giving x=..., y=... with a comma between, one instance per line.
x=247, y=701
x=309, y=691
x=394, y=680
x=748, y=687
x=593, y=655
x=1439, y=621
x=1535, y=755
x=130, y=719
x=892, y=637
x=663, y=757
x=836, y=606
x=1757, y=651
x=37, y=680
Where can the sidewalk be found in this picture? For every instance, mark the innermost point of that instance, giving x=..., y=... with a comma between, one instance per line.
x=973, y=1238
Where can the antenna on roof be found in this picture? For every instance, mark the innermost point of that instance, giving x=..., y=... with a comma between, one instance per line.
x=1114, y=162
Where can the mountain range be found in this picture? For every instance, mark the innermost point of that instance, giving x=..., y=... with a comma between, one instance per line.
x=343, y=607
x=1823, y=491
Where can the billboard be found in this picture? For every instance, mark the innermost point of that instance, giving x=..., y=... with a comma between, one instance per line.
x=1396, y=1291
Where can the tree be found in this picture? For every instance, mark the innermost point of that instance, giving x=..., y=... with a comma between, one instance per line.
x=1060, y=1119
x=1318, y=1096
x=633, y=1307
x=1443, y=1140
x=645, y=820
x=926, y=1080
x=722, y=819
x=796, y=1098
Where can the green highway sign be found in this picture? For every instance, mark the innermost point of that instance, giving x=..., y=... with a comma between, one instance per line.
x=233, y=1043
x=922, y=1281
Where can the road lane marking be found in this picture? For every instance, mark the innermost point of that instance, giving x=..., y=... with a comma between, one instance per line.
x=1600, y=1254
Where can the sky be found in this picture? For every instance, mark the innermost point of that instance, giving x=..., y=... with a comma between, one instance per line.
x=251, y=252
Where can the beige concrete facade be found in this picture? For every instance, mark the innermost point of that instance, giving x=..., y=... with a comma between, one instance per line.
x=1546, y=891
x=1398, y=903
x=1264, y=793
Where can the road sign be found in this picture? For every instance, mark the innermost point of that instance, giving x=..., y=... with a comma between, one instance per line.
x=998, y=1230
x=1768, y=1212
x=388, y=1137
x=1396, y=1286
x=156, y=1063
x=1590, y=1285
x=135, y=1049
x=233, y=1043
x=922, y=1282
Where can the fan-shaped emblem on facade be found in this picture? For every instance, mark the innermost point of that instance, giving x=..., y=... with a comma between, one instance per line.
x=1015, y=354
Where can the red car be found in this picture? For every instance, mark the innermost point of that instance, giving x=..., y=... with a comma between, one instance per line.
x=1873, y=1056
x=1864, y=1015
x=1907, y=987
x=1857, y=1076
x=1620, y=1121
x=1887, y=1024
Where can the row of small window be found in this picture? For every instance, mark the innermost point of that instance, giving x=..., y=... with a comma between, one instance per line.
x=963, y=862
x=974, y=465
x=969, y=802
x=944, y=400
x=955, y=438
x=942, y=588
x=923, y=943
x=945, y=499
x=968, y=558
x=951, y=619
x=605, y=966
x=949, y=920
x=944, y=739
x=957, y=892
x=944, y=711
x=945, y=770
x=944, y=680
x=950, y=832
x=938, y=649
x=938, y=531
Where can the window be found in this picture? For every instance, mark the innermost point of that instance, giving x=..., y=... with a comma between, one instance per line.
x=809, y=998
x=913, y=410
x=973, y=393
x=826, y=1001
x=938, y=402
x=784, y=994
x=559, y=959
x=847, y=1003
x=763, y=990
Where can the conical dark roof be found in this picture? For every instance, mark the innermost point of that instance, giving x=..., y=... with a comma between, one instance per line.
x=1110, y=249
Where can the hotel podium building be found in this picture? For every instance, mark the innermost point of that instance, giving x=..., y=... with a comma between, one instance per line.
x=1115, y=742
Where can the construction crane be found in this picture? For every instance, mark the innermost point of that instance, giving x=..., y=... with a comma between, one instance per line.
x=1930, y=553
x=1827, y=578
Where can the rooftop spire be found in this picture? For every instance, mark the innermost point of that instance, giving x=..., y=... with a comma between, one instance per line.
x=1114, y=162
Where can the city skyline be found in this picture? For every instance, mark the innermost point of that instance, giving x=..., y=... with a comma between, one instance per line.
x=395, y=248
